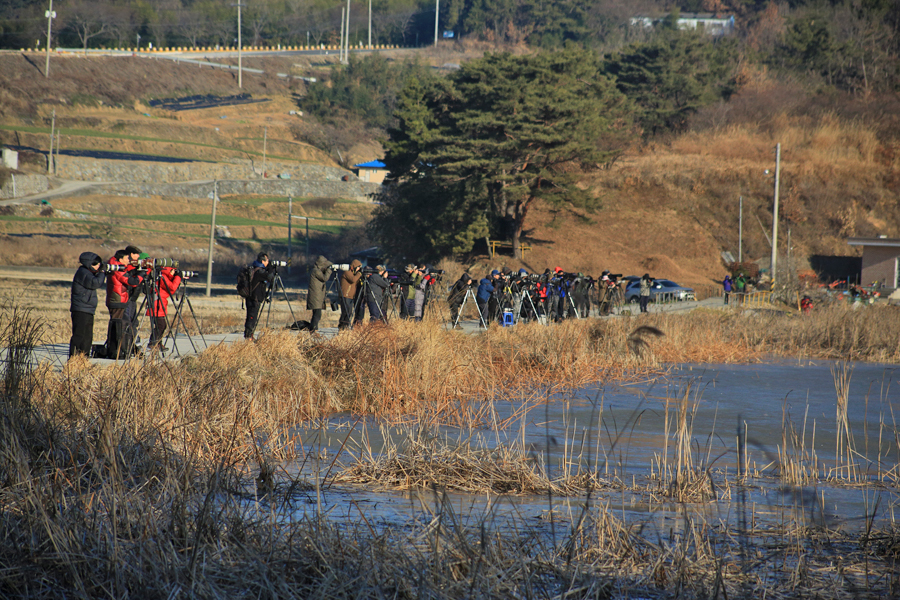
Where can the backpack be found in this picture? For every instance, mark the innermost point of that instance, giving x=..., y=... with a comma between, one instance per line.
x=244, y=277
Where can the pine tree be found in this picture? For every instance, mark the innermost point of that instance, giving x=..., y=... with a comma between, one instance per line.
x=474, y=152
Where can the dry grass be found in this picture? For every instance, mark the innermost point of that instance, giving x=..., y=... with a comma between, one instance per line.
x=135, y=480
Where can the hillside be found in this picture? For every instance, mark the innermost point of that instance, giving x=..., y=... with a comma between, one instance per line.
x=667, y=207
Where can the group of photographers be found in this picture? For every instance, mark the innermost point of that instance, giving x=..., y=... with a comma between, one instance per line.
x=127, y=274
x=554, y=295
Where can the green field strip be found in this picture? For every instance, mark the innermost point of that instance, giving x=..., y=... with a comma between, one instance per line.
x=91, y=225
x=254, y=201
x=139, y=138
x=223, y=220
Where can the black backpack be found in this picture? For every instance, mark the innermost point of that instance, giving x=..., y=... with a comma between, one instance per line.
x=244, y=277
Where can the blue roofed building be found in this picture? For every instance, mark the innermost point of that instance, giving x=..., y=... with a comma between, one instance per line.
x=373, y=171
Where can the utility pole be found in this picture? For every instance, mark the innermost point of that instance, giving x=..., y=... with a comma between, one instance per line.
x=289, y=234
x=240, y=62
x=740, y=229
x=50, y=14
x=265, y=140
x=347, y=53
x=437, y=11
x=775, y=213
x=50, y=165
x=341, y=52
x=370, y=24
x=212, y=238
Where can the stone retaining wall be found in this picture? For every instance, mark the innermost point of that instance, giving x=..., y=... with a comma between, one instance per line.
x=352, y=190
x=82, y=168
x=19, y=185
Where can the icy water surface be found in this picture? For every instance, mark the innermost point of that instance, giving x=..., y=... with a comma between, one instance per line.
x=621, y=433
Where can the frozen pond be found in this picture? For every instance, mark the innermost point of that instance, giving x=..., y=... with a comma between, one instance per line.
x=776, y=423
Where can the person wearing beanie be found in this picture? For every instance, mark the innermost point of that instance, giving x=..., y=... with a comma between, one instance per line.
x=260, y=282
x=377, y=283
x=315, y=297
x=456, y=296
x=83, y=302
x=158, y=306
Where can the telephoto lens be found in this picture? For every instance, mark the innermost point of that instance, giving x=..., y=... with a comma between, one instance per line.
x=165, y=262
x=343, y=267
x=189, y=274
x=108, y=268
x=278, y=263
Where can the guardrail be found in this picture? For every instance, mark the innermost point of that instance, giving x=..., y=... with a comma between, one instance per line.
x=754, y=299
x=195, y=50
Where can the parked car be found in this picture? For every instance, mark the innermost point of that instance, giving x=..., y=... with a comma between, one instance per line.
x=669, y=289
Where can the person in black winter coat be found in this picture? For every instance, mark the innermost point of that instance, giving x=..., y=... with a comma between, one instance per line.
x=377, y=284
x=260, y=282
x=457, y=295
x=88, y=279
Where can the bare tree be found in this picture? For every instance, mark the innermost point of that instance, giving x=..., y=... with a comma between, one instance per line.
x=195, y=26
x=88, y=19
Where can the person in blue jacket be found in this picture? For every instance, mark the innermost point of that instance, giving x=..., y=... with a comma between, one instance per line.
x=485, y=291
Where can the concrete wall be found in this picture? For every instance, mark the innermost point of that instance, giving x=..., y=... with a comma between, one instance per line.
x=81, y=168
x=879, y=263
x=195, y=179
x=352, y=190
x=19, y=185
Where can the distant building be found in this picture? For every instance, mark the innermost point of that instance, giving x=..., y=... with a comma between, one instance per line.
x=714, y=25
x=372, y=172
x=880, y=260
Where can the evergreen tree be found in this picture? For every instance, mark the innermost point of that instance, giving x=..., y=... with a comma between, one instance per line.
x=473, y=152
x=673, y=75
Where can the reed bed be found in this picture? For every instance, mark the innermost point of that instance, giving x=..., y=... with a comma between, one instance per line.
x=155, y=480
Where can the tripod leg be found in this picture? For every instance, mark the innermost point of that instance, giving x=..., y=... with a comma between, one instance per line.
x=279, y=282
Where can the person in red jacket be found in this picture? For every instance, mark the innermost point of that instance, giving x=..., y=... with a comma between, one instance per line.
x=122, y=286
x=158, y=305
x=121, y=291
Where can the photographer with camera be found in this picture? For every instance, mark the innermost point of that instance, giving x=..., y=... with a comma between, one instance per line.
x=456, y=296
x=646, y=284
x=485, y=293
x=165, y=286
x=349, y=289
x=315, y=296
x=376, y=284
x=89, y=278
x=122, y=288
x=261, y=278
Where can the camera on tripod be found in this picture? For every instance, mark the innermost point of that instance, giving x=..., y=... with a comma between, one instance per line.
x=188, y=274
x=156, y=263
x=278, y=263
x=341, y=267
x=108, y=268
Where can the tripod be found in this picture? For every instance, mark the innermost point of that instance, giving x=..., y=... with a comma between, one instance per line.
x=462, y=307
x=276, y=283
x=173, y=327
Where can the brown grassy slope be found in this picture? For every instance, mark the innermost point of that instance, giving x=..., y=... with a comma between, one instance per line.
x=668, y=208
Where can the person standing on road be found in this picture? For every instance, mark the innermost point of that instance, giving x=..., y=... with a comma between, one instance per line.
x=262, y=278
x=88, y=279
x=315, y=297
x=646, y=284
x=727, y=286
x=158, y=306
x=740, y=286
x=377, y=283
x=349, y=288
